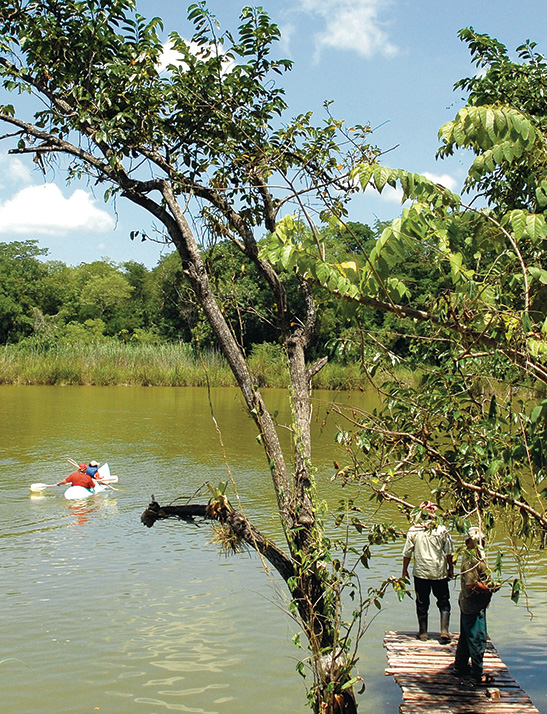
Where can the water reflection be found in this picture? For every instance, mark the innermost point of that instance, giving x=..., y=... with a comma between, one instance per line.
x=81, y=510
x=109, y=616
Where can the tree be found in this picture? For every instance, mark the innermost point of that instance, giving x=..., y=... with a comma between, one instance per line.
x=104, y=291
x=174, y=309
x=21, y=275
x=520, y=85
x=138, y=313
x=468, y=431
x=200, y=147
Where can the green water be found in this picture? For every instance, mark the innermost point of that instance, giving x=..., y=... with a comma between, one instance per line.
x=98, y=613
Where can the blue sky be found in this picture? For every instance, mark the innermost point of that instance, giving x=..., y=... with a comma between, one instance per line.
x=389, y=63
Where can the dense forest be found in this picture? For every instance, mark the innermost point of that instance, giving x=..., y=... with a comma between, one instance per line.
x=45, y=303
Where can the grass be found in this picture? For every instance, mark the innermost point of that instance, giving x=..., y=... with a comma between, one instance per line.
x=107, y=364
x=168, y=365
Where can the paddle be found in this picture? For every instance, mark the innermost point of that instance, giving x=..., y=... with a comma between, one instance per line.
x=103, y=473
x=38, y=487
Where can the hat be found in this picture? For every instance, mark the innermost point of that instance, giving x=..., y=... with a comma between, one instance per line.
x=93, y=463
x=474, y=534
x=82, y=466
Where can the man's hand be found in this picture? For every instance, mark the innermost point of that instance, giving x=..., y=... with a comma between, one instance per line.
x=406, y=563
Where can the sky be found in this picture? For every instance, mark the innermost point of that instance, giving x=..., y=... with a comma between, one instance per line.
x=391, y=64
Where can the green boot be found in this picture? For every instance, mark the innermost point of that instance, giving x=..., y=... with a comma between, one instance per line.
x=445, y=634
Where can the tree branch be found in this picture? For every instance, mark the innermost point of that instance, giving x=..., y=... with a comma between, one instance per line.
x=524, y=360
x=241, y=527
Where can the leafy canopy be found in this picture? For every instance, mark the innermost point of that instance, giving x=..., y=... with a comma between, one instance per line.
x=209, y=123
x=480, y=338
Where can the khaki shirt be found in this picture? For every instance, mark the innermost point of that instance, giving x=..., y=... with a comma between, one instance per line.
x=474, y=568
x=430, y=547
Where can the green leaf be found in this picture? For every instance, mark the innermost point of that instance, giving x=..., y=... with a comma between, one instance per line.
x=499, y=563
x=381, y=176
x=365, y=172
x=351, y=683
x=456, y=260
x=538, y=274
x=536, y=227
x=517, y=220
x=287, y=256
x=498, y=153
x=492, y=411
x=516, y=589
x=508, y=151
x=459, y=135
x=490, y=127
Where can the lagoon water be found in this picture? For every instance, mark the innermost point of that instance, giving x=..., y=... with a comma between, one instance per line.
x=100, y=614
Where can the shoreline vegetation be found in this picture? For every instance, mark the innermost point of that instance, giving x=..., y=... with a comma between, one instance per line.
x=165, y=365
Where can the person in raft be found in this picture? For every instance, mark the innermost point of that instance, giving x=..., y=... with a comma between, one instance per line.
x=475, y=595
x=80, y=478
x=92, y=469
x=431, y=547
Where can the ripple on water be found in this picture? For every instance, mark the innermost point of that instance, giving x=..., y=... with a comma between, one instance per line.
x=102, y=614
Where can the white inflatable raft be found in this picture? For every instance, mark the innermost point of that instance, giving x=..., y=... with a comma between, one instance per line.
x=75, y=493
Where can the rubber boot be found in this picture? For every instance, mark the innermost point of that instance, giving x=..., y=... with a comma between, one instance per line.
x=422, y=624
x=445, y=634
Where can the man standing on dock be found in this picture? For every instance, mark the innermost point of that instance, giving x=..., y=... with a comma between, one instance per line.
x=476, y=592
x=431, y=546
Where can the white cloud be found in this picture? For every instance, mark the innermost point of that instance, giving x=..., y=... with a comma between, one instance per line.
x=395, y=195
x=352, y=25
x=170, y=56
x=445, y=180
x=44, y=210
x=13, y=170
x=288, y=31
x=392, y=195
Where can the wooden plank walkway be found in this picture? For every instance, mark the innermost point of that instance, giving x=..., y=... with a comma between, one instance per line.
x=423, y=671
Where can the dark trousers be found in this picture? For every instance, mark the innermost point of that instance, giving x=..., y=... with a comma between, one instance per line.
x=423, y=590
x=472, y=643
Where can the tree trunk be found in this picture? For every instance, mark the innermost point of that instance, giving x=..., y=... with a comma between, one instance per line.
x=305, y=580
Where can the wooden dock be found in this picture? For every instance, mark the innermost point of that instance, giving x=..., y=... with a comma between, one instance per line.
x=423, y=671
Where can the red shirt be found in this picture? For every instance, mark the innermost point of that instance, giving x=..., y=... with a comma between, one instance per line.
x=79, y=479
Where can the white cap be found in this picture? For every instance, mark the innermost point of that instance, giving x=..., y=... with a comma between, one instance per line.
x=475, y=534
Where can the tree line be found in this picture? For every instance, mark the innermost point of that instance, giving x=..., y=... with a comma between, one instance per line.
x=44, y=303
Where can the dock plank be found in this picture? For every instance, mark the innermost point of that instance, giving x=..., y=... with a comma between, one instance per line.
x=423, y=670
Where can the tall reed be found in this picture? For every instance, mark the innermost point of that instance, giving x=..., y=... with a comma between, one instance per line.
x=166, y=365
x=109, y=363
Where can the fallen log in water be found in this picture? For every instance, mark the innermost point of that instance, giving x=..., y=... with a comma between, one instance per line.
x=188, y=513
x=236, y=521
